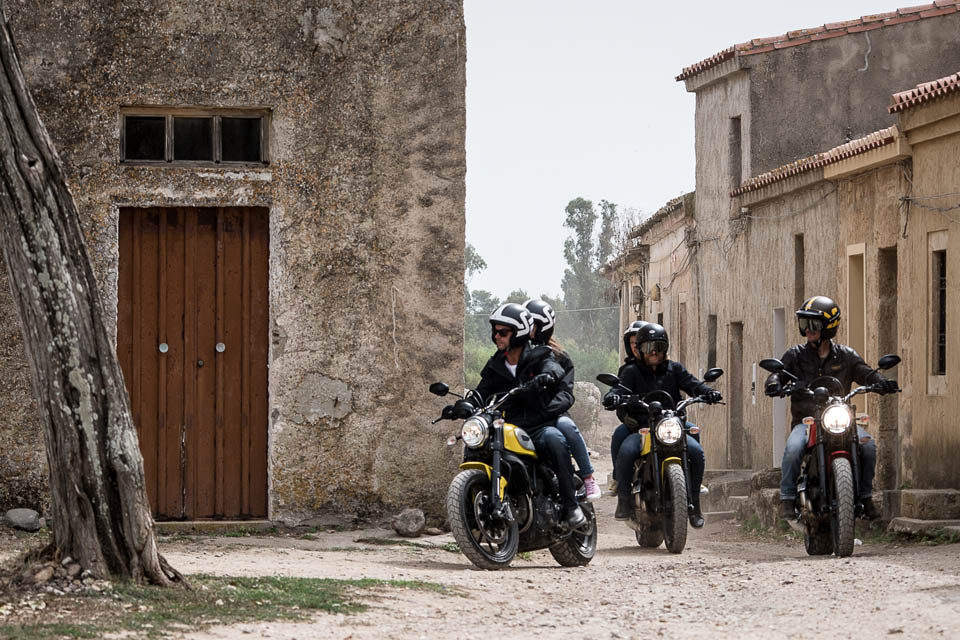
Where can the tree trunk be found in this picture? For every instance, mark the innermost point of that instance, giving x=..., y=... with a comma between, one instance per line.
x=101, y=514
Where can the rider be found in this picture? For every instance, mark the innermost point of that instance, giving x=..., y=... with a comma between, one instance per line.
x=651, y=372
x=517, y=362
x=620, y=433
x=544, y=322
x=818, y=319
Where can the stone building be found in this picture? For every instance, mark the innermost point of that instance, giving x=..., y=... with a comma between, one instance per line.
x=799, y=175
x=273, y=199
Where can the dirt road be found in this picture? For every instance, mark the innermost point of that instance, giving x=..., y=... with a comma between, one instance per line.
x=725, y=584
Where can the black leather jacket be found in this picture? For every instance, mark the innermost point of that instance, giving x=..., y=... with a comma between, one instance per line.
x=670, y=376
x=803, y=361
x=535, y=409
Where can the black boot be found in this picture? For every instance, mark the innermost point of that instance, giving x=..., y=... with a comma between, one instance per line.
x=696, y=518
x=870, y=510
x=788, y=509
x=624, y=508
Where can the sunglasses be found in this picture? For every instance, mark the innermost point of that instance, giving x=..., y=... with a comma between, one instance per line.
x=653, y=347
x=810, y=324
x=503, y=333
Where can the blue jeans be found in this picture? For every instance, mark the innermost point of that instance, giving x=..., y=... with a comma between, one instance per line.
x=619, y=435
x=551, y=447
x=578, y=448
x=793, y=454
x=629, y=450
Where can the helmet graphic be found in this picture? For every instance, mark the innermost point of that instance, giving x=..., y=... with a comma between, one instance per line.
x=517, y=318
x=819, y=313
x=544, y=317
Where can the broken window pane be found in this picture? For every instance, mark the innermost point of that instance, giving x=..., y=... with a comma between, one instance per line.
x=240, y=139
x=193, y=138
x=144, y=137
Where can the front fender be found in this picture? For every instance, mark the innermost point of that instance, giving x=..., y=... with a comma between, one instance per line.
x=666, y=461
x=488, y=469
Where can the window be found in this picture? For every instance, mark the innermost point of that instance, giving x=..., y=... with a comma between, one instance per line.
x=193, y=136
x=937, y=313
x=736, y=152
x=798, y=264
x=940, y=313
x=711, y=341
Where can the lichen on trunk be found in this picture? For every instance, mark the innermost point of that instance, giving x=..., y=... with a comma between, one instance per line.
x=101, y=514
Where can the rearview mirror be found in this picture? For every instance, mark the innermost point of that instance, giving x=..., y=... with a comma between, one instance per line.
x=712, y=374
x=888, y=361
x=772, y=365
x=439, y=389
x=608, y=379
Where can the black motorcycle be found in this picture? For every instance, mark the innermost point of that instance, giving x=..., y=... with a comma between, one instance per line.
x=828, y=487
x=505, y=500
x=661, y=486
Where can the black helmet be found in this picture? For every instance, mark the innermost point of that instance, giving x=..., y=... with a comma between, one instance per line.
x=632, y=330
x=819, y=312
x=544, y=318
x=517, y=318
x=655, y=336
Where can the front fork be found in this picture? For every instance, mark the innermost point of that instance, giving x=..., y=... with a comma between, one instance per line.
x=499, y=508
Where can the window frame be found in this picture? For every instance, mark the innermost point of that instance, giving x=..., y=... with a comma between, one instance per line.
x=937, y=292
x=216, y=114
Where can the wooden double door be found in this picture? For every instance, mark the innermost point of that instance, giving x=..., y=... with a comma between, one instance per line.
x=193, y=313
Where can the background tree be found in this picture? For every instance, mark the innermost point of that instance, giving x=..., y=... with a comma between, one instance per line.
x=101, y=514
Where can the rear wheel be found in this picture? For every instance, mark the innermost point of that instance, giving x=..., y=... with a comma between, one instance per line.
x=675, y=522
x=487, y=541
x=579, y=548
x=841, y=523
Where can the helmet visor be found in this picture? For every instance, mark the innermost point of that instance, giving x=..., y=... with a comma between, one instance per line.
x=657, y=346
x=810, y=324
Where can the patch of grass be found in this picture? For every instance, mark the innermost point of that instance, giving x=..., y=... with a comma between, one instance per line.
x=452, y=547
x=939, y=536
x=153, y=612
x=525, y=555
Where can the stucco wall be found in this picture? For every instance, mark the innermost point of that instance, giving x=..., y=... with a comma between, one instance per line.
x=365, y=189
x=930, y=439
x=815, y=96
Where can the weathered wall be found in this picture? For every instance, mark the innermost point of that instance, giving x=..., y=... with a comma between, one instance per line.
x=831, y=215
x=930, y=439
x=830, y=91
x=365, y=188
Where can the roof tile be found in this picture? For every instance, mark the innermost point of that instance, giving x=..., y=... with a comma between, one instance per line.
x=874, y=140
x=916, y=9
x=925, y=92
x=938, y=12
x=824, y=32
x=865, y=27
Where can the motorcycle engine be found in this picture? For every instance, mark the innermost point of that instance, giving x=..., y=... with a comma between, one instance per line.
x=548, y=513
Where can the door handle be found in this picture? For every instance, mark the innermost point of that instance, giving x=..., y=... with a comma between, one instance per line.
x=199, y=363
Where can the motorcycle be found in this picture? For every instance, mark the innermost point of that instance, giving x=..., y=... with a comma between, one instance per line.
x=505, y=500
x=828, y=490
x=661, y=478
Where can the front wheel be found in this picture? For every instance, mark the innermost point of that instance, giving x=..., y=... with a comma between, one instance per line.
x=650, y=538
x=675, y=522
x=488, y=541
x=841, y=522
x=578, y=549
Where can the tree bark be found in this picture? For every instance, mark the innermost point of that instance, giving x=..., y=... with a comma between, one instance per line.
x=101, y=514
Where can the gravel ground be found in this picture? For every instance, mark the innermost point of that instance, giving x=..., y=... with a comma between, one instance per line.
x=727, y=583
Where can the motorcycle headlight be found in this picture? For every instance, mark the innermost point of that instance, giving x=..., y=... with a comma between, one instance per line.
x=474, y=432
x=669, y=430
x=836, y=419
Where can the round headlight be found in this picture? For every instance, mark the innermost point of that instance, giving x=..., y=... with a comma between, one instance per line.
x=836, y=419
x=669, y=431
x=474, y=432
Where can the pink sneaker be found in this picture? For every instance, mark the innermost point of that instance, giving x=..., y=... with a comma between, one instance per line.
x=593, y=490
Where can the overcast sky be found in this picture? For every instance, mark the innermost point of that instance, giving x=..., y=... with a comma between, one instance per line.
x=569, y=98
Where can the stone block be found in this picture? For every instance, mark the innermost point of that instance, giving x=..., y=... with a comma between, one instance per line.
x=586, y=413
x=765, y=479
x=763, y=505
x=930, y=504
x=915, y=526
